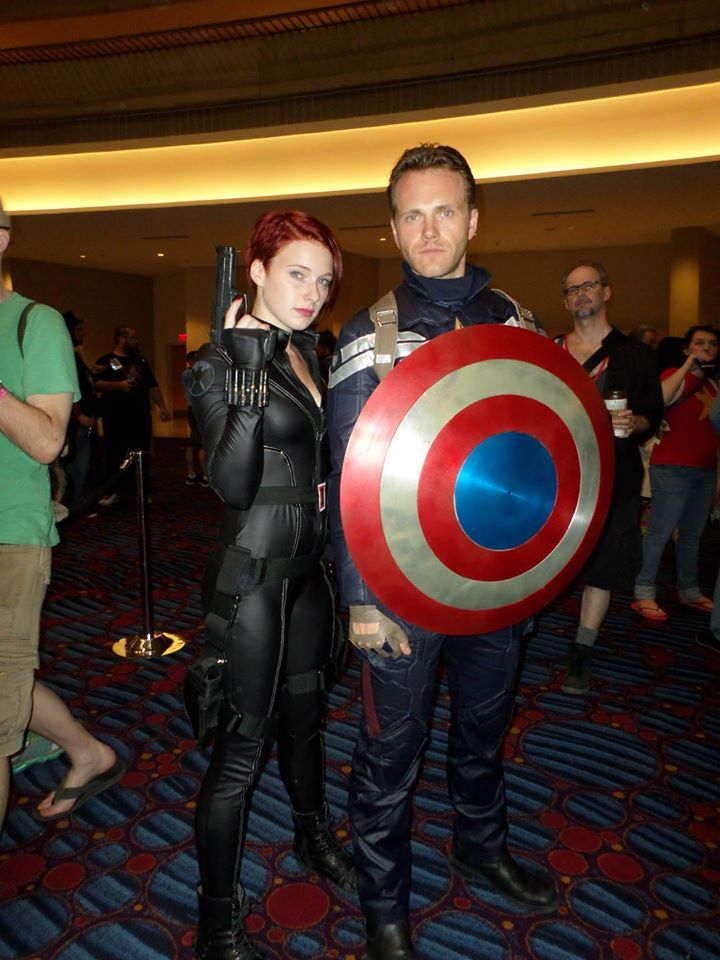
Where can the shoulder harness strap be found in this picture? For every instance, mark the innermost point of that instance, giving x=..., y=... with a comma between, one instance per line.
x=22, y=323
x=384, y=315
x=523, y=316
x=604, y=350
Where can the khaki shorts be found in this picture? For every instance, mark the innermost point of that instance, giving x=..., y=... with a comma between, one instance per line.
x=24, y=576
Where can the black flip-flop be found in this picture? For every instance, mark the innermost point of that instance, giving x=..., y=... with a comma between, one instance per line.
x=82, y=794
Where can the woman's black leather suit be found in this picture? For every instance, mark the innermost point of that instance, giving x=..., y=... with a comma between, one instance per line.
x=267, y=595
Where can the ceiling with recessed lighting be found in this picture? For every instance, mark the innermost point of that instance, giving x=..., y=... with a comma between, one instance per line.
x=133, y=129
x=589, y=211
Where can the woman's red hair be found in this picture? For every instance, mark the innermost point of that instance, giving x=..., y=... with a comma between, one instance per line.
x=275, y=229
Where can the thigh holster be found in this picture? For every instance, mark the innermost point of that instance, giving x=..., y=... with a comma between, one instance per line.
x=312, y=681
x=254, y=728
x=239, y=573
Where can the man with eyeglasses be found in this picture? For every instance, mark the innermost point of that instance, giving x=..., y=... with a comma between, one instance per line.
x=617, y=364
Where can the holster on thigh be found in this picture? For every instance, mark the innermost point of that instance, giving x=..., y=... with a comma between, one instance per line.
x=233, y=572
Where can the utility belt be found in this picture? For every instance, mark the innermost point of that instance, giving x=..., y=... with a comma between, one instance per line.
x=241, y=572
x=204, y=687
x=289, y=495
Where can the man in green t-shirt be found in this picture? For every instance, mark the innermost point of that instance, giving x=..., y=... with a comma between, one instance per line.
x=38, y=384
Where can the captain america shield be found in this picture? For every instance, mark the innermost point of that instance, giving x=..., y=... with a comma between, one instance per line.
x=477, y=479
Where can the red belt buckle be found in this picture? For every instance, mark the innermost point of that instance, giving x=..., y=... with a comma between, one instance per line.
x=321, y=496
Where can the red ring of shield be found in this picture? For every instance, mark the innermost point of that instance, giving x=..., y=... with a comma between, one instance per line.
x=371, y=437
x=450, y=449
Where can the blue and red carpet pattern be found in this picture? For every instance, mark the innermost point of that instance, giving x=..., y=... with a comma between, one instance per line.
x=615, y=793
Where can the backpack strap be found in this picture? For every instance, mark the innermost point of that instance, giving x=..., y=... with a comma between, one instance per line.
x=384, y=315
x=22, y=323
x=609, y=345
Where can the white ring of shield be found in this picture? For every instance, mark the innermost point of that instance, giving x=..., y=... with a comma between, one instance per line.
x=406, y=455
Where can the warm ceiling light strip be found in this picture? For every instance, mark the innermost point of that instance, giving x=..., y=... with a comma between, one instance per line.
x=634, y=130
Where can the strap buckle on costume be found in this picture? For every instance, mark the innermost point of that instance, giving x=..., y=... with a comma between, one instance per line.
x=321, y=496
x=241, y=572
x=384, y=315
x=256, y=728
x=309, y=682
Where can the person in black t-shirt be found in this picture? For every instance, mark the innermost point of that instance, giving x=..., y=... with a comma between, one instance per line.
x=127, y=385
x=616, y=363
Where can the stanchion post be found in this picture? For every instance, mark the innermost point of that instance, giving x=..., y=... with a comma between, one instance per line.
x=149, y=643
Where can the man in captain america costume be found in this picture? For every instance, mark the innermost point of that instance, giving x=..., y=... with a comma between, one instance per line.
x=434, y=215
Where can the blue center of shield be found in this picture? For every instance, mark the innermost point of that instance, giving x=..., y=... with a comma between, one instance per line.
x=505, y=490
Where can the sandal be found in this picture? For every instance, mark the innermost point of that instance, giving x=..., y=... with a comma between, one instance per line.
x=82, y=794
x=648, y=609
x=702, y=603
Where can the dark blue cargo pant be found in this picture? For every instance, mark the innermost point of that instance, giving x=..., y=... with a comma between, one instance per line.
x=398, y=697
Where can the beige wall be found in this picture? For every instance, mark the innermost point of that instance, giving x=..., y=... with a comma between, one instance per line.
x=709, y=307
x=695, y=278
x=169, y=299
x=182, y=304
x=358, y=288
x=390, y=275
x=200, y=292
x=167, y=305
x=104, y=299
x=640, y=282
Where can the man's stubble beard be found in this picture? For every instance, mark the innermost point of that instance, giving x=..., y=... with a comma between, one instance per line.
x=585, y=313
x=441, y=272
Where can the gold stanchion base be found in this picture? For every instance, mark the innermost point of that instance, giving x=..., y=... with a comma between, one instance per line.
x=149, y=645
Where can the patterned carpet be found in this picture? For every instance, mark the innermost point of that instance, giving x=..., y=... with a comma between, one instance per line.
x=616, y=793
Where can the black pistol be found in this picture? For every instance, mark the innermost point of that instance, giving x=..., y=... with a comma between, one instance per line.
x=225, y=291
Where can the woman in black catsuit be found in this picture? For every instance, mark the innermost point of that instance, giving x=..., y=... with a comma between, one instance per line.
x=267, y=594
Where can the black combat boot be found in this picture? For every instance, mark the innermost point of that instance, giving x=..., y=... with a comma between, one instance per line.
x=221, y=931
x=317, y=848
x=577, y=675
x=389, y=941
x=511, y=880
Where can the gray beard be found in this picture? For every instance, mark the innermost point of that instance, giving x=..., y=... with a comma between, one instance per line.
x=584, y=313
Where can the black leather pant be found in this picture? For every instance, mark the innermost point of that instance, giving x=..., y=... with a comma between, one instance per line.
x=282, y=636
x=397, y=700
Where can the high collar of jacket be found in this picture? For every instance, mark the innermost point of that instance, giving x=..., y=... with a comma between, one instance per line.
x=448, y=292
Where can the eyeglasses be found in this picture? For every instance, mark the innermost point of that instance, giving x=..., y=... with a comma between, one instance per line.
x=585, y=287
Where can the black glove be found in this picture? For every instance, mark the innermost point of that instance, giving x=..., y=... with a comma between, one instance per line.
x=250, y=351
